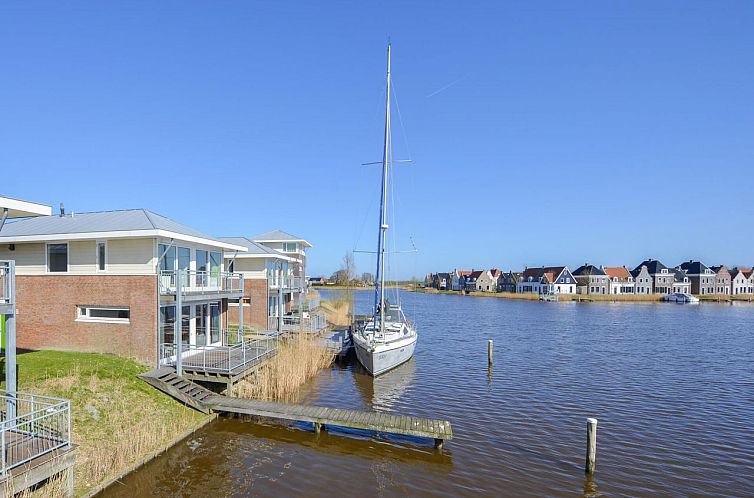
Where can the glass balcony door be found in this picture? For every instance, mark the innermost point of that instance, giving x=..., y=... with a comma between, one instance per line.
x=214, y=323
x=202, y=323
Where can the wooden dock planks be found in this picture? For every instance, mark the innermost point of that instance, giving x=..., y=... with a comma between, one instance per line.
x=205, y=400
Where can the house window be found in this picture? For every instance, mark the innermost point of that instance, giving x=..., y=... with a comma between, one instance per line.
x=57, y=258
x=232, y=266
x=101, y=256
x=104, y=314
x=290, y=247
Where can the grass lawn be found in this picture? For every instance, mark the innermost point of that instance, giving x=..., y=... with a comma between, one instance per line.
x=117, y=418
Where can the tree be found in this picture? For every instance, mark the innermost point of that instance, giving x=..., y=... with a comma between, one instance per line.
x=347, y=271
x=367, y=278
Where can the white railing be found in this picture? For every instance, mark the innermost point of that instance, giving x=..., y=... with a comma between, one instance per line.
x=31, y=426
x=312, y=323
x=200, y=281
x=6, y=278
x=226, y=359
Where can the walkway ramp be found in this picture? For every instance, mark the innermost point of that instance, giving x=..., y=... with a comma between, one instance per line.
x=207, y=401
x=185, y=391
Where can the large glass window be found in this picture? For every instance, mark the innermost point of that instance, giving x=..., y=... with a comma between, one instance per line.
x=184, y=264
x=215, y=260
x=167, y=325
x=290, y=247
x=214, y=324
x=202, y=319
x=185, y=323
x=201, y=268
x=57, y=257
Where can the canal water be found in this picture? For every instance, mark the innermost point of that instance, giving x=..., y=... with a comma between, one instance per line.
x=672, y=387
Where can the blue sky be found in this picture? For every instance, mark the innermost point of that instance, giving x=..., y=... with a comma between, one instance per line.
x=541, y=132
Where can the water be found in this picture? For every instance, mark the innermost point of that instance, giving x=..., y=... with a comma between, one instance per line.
x=671, y=385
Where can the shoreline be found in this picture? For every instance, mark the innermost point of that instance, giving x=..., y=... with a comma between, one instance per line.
x=591, y=298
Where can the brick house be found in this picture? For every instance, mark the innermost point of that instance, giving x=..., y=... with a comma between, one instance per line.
x=508, y=282
x=620, y=280
x=547, y=280
x=681, y=282
x=591, y=279
x=487, y=281
x=105, y=282
x=722, y=279
x=470, y=280
x=701, y=277
x=662, y=278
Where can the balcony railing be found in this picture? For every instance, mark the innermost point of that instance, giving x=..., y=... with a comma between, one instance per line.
x=289, y=282
x=200, y=282
x=312, y=323
x=31, y=426
x=6, y=280
x=237, y=355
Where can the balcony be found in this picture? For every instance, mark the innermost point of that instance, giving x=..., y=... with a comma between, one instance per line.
x=198, y=285
x=234, y=358
x=289, y=283
x=313, y=323
x=7, y=282
x=32, y=426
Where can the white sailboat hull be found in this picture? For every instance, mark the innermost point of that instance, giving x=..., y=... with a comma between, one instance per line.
x=380, y=358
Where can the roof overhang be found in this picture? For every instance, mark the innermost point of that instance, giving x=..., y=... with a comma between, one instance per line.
x=123, y=234
x=248, y=255
x=23, y=209
x=262, y=241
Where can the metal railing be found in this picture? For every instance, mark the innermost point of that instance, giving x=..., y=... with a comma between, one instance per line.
x=31, y=426
x=226, y=359
x=200, y=281
x=288, y=282
x=6, y=277
x=312, y=323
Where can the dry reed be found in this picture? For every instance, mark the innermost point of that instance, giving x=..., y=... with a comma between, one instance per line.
x=298, y=360
x=338, y=309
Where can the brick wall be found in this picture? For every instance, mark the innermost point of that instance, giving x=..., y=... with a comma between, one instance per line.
x=47, y=311
x=256, y=314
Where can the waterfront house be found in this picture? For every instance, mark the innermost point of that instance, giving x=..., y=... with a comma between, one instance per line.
x=722, y=279
x=662, y=278
x=470, y=280
x=547, y=280
x=457, y=279
x=508, y=282
x=269, y=283
x=642, y=280
x=591, y=279
x=681, y=282
x=620, y=280
x=701, y=277
x=442, y=281
x=740, y=281
x=487, y=281
x=429, y=280
x=106, y=282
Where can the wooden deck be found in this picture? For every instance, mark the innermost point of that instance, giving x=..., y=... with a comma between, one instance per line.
x=204, y=400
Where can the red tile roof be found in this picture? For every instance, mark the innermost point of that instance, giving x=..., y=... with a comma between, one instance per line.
x=617, y=271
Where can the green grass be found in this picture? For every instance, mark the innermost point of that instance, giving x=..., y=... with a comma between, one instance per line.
x=117, y=418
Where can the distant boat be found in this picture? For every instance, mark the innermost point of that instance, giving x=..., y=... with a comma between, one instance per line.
x=550, y=296
x=681, y=297
x=387, y=339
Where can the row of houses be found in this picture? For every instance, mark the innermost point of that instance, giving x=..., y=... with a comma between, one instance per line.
x=649, y=277
x=107, y=282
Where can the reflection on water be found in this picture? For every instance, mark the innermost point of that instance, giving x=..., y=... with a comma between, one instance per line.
x=671, y=386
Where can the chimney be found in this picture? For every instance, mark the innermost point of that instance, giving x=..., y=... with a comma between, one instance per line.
x=62, y=210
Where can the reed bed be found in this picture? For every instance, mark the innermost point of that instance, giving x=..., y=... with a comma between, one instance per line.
x=298, y=360
x=338, y=309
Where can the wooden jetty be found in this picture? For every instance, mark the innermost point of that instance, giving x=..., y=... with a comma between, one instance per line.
x=207, y=401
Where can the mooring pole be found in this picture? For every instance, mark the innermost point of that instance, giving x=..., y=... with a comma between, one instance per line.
x=489, y=352
x=591, y=444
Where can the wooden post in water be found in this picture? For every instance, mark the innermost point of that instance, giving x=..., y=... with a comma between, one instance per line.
x=489, y=352
x=591, y=444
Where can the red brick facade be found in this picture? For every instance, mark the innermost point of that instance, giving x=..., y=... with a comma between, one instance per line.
x=256, y=314
x=47, y=312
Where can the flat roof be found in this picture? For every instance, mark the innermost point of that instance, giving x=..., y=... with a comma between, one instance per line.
x=23, y=209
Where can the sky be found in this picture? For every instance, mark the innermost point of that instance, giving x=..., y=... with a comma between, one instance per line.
x=541, y=133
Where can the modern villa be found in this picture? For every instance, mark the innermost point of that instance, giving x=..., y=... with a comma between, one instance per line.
x=106, y=282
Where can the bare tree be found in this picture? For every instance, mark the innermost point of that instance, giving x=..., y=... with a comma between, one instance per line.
x=347, y=272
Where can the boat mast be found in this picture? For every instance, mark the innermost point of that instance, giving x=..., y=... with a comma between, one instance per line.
x=380, y=285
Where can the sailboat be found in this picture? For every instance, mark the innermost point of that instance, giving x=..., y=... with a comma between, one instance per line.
x=387, y=339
